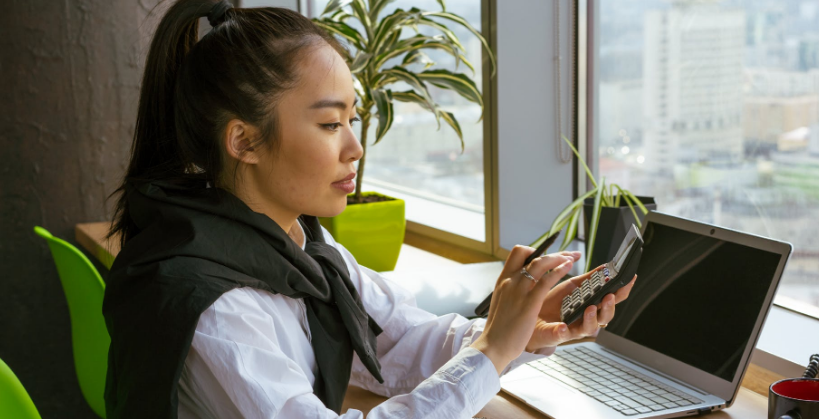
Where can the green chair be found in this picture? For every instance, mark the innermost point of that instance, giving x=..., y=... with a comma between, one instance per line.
x=84, y=290
x=14, y=400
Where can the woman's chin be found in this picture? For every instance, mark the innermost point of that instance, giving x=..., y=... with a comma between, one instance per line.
x=336, y=209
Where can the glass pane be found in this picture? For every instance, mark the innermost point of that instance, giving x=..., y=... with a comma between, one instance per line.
x=416, y=161
x=712, y=107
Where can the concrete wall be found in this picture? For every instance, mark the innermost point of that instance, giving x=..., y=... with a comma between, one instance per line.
x=69, y=79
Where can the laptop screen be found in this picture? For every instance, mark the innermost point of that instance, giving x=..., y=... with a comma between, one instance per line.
x=696, y=298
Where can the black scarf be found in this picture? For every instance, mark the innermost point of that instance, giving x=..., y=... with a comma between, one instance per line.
x=193, y=245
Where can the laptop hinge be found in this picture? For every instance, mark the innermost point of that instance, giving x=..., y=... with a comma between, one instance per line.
x=660, y=373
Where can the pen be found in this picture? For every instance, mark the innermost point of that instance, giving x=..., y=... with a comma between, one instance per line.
x=483, y=308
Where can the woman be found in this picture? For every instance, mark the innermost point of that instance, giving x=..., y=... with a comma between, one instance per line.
x=228, y=299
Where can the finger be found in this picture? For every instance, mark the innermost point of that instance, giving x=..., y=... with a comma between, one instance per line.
x=586, y=325
x=547, y=281
x=574, y=255
x=623, y=293
x=590, y=323
x=548, y=334
x=516, y=258
x=540, y=266
x=579, y=279
x=605, y=310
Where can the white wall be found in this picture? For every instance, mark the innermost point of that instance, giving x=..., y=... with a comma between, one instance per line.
x=533, y=184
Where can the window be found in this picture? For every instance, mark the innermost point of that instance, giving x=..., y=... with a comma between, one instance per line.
x=442, y=186
x=737, y=82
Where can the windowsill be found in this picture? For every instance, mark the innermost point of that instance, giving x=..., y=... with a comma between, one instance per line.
x=787, y=341
x=463, y=222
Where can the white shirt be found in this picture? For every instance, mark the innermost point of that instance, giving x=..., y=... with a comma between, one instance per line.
x=251, y=357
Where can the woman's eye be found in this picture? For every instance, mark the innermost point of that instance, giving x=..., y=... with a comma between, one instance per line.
x=332, y=126
x=356, y=119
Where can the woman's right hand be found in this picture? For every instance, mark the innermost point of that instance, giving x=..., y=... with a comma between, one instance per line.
x=516, y=302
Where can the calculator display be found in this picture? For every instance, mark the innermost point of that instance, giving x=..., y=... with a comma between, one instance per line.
x=624, y=249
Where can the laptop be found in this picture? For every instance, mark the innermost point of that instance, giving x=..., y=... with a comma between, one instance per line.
x=680, y=344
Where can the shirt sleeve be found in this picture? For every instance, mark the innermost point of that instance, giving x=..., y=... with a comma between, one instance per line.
x=414, y=343
x=237, y=368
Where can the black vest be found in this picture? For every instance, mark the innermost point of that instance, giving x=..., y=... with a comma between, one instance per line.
x=193, y=245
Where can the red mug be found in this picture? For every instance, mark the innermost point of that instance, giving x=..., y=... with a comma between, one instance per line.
x=794, y=398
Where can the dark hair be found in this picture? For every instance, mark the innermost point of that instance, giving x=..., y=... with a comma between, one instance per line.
x=191, y=90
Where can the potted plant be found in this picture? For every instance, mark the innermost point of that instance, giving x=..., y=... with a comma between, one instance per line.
x=609, y=210
x=372, y=226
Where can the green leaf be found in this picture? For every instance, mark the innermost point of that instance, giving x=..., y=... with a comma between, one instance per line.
x=417, y=43
x=334, y=5
x=636, y=201
x=577, y=203
x=411, y=96
x=458, y=82
x=591, y=235
x=631, y=207
x=389, y=43
x=343, y=30
x=391, y=22
x=360, y=12
x=339, y=15
x=450, y=119
x=394, y=74
x=461, y=21
x=571, y=230
x=441, y=27
x=376, y=6
x=443, y=5
x=417, y=57
x=359, y=89
x=360, y=62
x=383, y=101
x=583, y=162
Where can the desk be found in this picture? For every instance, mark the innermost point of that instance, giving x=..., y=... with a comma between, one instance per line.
x=749, y=405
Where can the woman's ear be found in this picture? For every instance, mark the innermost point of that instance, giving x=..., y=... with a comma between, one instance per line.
x=238, y=140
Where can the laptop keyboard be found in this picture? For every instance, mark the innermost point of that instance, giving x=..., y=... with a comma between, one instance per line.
x=612, y=383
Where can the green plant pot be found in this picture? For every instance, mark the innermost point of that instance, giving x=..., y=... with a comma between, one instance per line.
x=613, y=226
x=373, y=232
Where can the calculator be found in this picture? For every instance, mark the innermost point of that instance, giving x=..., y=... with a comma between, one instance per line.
x=611, y=277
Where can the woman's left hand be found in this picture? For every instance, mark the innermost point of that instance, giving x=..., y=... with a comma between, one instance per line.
x=550, y=331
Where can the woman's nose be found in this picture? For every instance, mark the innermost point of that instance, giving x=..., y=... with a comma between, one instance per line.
x=353, y=150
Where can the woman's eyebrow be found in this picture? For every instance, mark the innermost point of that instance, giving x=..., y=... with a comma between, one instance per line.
x=329, y=103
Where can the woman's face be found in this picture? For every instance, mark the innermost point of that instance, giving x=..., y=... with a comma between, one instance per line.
x=317, y=145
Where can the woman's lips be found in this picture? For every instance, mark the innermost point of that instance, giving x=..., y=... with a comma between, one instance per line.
x=348, y=186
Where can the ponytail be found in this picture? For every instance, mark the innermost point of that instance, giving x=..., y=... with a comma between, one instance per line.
x=190, y=90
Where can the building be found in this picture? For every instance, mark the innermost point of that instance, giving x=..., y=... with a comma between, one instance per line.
x=692, y=75
x=799, y=170
x=767, y=119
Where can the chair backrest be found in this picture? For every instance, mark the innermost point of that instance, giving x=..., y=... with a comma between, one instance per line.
x=14, y=400
x=84, y=290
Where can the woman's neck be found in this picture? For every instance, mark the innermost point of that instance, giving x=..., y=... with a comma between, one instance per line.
x=288, y=222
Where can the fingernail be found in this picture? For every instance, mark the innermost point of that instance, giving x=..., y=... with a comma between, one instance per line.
x=592, y=312
x=576, y=255
x=609, y=304
x=562, y=330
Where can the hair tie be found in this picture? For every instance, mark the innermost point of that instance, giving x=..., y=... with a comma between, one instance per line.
x=217, y=12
